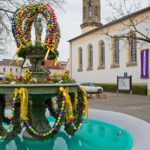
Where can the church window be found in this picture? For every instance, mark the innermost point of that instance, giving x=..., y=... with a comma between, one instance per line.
x=11, y=70
x=4, y=69
x=101, y=55
x=90, y=57
x=96, y=11
x=80, y=60
x=133, y=48
x=90, y=11
x=116, y=51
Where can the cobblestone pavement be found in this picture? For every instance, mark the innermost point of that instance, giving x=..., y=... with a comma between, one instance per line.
x=134, y=105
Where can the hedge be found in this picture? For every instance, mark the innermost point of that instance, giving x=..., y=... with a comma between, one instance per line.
x=140, y=89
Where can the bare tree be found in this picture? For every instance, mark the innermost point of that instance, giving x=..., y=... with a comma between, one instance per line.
x=125, y=8
x=7, y=9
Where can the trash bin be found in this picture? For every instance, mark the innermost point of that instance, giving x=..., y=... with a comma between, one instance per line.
x=148, y=89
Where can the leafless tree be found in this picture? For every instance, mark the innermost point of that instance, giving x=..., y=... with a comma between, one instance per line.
x=124, y=8
x=7, y=9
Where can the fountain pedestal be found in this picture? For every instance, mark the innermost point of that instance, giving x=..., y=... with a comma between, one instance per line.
x=37, y=112
x=37, y=66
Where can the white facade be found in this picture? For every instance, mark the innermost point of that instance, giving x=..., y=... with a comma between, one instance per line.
x=15, y=69
x=108, y=74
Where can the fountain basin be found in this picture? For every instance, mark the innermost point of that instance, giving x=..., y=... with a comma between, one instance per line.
x=95, y=134
x=37, y=89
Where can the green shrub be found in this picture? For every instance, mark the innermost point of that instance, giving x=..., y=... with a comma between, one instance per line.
x=140, y=89
x=108, y=87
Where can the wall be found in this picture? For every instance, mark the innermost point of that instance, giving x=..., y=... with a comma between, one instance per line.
x=53, y=71
x=16, y=74
x=107, y=75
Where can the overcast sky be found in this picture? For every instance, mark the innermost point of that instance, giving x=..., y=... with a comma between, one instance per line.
x=71, y=18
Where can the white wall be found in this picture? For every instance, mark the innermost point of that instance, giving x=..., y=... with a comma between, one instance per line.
x=107, y=75
x=16, y=74
x=53, y=71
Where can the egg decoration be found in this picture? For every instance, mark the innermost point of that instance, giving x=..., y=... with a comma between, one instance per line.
x=22, y=22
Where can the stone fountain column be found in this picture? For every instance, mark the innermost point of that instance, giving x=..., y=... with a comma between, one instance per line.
x=37, y=110
x=37, y=107
x=37, y=68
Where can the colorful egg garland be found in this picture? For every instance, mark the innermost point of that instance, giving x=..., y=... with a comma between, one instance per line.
x=75, y=120
x=14, y=120
x=23, y=19
x=73, y=123
x=55, y=127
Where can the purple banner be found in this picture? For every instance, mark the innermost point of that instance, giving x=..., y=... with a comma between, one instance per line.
x=145, y=64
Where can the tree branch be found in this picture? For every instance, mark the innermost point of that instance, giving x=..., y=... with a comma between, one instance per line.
x=122, y=10
x=5, y=10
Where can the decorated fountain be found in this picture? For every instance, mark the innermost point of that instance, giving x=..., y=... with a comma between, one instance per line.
x=34, y=92
x=47, y=110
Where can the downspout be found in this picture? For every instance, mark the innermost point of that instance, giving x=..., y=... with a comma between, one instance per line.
x=71, y=59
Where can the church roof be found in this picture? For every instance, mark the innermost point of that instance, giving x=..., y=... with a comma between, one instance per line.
x=6, y=62
x=50, y=64
x=111, y=23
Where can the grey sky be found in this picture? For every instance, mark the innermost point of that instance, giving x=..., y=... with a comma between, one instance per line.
x=70, y=20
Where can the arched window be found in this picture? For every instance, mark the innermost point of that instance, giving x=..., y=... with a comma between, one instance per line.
x=116, y=51
x=133, y=48
x=80, y=60
x=96, y=11
x=90, y=57
x=4, y=69
x=101, y=54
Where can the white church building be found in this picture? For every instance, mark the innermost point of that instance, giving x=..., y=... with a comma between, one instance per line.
x=103, y=52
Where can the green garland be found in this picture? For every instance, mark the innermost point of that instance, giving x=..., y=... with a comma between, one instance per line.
x=53, y=130
x=38, y=48
x=79, y=114
x=3, y=105
x=14, y=127
x=76, y=123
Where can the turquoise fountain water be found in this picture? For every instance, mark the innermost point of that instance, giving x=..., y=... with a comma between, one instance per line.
x=94, y=135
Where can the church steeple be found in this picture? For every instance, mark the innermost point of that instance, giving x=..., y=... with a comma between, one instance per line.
x=91, y=15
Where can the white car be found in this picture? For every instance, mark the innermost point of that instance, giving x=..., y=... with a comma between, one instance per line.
x=91, y=88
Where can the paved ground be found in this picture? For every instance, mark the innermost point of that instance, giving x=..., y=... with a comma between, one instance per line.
x=134, y=105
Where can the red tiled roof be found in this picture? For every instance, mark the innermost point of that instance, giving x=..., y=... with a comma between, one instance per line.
x=6, y=62
x=50, y=64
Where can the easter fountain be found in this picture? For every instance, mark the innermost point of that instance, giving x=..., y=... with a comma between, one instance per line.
x=33, y=93
x=33, y=89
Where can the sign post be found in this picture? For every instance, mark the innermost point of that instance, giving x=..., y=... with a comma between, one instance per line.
x=124, y=83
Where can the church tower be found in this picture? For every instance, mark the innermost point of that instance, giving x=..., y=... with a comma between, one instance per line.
x=91, y=15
